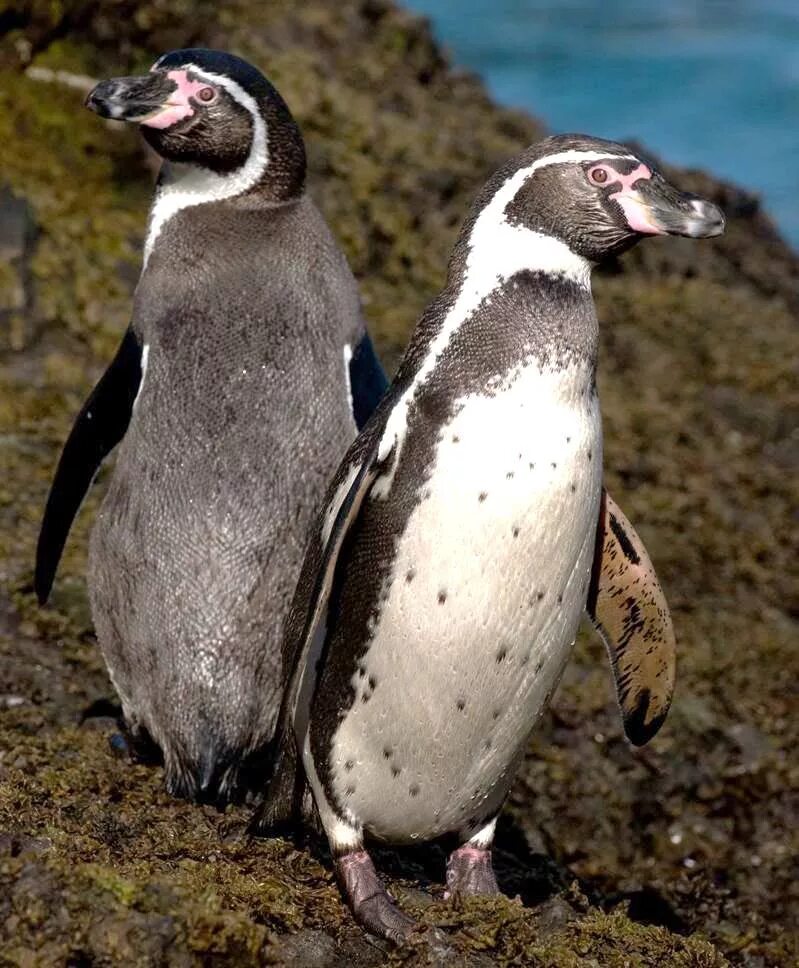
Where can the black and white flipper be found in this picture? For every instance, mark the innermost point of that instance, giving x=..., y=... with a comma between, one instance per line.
x=307, y=625
x=366, y=379
x=628, y=608
x=98, y=428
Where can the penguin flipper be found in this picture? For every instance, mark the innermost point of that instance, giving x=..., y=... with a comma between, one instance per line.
x=627, y=606
x=98, y=428
x=368, y=381
x=282, y=803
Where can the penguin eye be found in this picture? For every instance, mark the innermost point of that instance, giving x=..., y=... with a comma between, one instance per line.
x=206, y=94
x=598, y=175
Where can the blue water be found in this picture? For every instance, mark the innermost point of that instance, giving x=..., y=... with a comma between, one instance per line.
x=712, y=84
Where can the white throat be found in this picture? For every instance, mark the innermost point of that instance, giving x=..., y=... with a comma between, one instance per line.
x=191, y=185
x=497, y=251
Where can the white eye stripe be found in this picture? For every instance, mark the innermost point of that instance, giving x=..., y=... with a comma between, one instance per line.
x=234, y=89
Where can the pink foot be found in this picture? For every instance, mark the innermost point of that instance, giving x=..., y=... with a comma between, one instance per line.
x=369, y=900
x=469, y=872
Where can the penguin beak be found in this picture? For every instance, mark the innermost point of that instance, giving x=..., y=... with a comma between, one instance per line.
x=654, y=207
x=135, y=99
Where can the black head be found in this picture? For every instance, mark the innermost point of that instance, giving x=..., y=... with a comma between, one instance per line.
x=595, y=196
x=214, y=111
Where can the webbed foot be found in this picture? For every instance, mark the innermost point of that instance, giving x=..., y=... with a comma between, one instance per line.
x=369, y=900
x=470, y=872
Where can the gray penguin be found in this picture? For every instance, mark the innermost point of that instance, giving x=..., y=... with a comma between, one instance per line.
x=467, y=530
x=242, y=379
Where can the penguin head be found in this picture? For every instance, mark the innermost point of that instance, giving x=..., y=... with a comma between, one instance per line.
x=596, y=196
x=210, y=110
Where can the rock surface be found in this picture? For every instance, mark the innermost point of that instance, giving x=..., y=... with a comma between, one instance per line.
x=681, y=854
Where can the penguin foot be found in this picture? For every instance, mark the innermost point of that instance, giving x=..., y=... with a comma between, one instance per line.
x=370, y=902
x=469, y=872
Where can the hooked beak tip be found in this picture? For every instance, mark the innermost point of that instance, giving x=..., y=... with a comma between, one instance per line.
x=708, y=220
x=92, y=102
x=103, y=100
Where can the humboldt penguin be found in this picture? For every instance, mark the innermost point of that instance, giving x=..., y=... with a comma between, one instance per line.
x=244, y=375
x=467, y=531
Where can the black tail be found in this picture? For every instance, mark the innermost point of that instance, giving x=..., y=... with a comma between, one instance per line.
x=210, y=776
x=219, y=775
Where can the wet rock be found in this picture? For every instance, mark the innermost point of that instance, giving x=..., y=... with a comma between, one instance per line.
x=553, y=915
x=305, y=949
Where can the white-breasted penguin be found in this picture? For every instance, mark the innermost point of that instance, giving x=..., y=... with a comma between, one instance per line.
x=243, y=377
x=467, y=531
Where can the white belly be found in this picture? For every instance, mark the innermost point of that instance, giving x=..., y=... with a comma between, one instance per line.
x=482, y=608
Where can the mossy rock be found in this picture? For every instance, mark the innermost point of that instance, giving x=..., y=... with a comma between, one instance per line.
x=622, y=857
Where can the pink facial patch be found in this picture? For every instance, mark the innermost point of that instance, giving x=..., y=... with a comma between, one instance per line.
x=627, y=181
x=179, y=106
x=634, y=208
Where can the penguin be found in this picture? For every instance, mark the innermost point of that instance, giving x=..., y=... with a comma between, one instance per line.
x=466, y=532
x=243, y=377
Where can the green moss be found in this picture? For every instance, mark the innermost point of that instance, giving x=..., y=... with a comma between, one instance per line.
x=700, y=399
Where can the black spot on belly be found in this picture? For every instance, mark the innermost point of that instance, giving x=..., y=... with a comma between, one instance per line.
x=560, y=602
x=509, y=476
x=539, y=596
x=461, y=704
x=442, y=596
x=482, y=496
x=410, y=574
x=590, y=455
x=574, y=488
x=361, y=671
x=350, y=790
x=554, y=465
x=501, y=653
x=349, y=765
x=413, y=789
x=515, y=531
x=395, y=771
x=455, y=439
x=372, y=683
x=387, y=752
x=495, y=714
